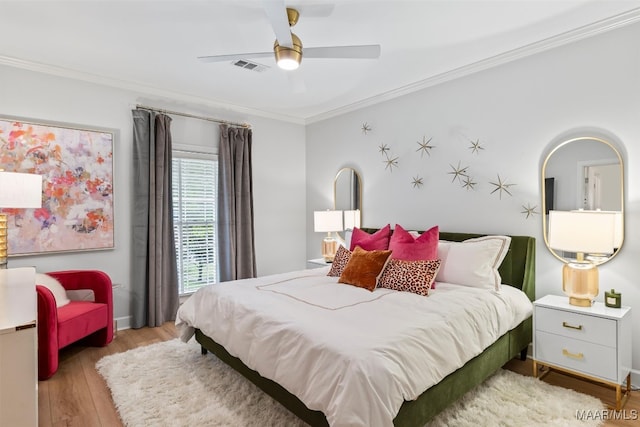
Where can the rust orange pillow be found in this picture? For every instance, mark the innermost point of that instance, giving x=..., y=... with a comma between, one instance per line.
x=364, y=268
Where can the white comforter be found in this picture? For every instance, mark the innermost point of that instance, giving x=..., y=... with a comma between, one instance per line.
x=355, y=355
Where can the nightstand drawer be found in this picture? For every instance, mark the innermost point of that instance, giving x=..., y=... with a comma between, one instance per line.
x=576, y=355
x=584, y=327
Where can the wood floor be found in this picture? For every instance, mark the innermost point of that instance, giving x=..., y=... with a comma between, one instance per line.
x=78, y=396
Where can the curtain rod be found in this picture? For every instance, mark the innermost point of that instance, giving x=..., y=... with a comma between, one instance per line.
x=192, y=116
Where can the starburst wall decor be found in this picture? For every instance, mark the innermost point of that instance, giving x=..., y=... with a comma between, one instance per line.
x=424, y=146
x=501, y=186
x=390, y=163
x=475, y=146
x=529, y=210
x=468, y=183
x=383, y=148
x=458, y=172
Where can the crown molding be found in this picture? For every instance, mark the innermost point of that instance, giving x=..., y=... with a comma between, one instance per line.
x=143, y=89
x=568, y=37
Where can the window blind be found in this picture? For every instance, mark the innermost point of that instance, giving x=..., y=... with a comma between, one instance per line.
x=194, y=186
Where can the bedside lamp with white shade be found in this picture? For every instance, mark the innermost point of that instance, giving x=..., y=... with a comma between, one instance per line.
x=590, y=235
x=328, y=222
x=351, y=219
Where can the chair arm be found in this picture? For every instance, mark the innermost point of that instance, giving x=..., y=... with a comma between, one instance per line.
x=47, y=309
x=47, y=333
x=96, y=280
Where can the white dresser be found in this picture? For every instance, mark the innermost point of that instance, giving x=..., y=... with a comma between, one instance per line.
x=18, y=348
x=591, y=342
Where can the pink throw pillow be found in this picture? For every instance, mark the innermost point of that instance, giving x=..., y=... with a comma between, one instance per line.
x=378, y=241
x=406, y=247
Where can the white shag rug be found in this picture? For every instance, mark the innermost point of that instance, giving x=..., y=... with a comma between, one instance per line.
x=171, y=384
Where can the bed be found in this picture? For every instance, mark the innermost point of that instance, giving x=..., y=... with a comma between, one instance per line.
x=517, y=270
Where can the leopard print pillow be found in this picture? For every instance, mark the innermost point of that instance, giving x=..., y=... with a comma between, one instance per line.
x=339, y=261
x=409, y=276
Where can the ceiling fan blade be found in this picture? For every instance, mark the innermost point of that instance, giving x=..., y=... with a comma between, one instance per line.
x=277, y=14
x=371, y=51
x=222, y=58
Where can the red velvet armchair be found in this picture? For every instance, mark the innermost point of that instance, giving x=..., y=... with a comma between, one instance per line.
x=60, y=326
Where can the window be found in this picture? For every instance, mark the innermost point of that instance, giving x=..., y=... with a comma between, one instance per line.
x=195, y=177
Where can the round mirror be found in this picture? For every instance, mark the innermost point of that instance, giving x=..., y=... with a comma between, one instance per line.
x=583, y=175
x=347, y=196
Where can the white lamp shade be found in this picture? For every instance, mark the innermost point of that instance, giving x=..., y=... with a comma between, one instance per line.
x=351, y=219
x=327, y=221
x=582, y=231
x=619, y=233
x=20, y=190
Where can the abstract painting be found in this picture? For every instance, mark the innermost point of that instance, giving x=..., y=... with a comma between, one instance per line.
x=77, y=191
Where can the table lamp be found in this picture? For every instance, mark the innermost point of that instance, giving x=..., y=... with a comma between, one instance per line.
x=17, y=190
x=589, y=235
x=351, y=219
x=328, y=222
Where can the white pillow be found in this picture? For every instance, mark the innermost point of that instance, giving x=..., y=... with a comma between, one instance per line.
x=81, y=295
x=473, y=262
x=58, y=291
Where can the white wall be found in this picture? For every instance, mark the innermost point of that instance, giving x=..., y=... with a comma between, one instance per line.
x=278, y=162
x=516, y=110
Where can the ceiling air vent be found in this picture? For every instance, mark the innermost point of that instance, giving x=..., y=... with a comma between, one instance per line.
x=253, y=66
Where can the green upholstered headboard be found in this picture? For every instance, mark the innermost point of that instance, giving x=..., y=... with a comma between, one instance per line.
x=519, y=266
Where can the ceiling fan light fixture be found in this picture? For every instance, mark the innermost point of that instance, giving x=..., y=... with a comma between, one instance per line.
x=288, y=58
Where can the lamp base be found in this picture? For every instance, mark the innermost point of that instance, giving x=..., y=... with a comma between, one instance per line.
x=580, y=283
x=329, y=248
x=581, y=302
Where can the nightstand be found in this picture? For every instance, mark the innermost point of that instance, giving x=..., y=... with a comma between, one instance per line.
x=317, y=263
x=593, y=343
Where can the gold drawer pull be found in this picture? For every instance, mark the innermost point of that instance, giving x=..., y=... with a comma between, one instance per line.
x=566, y=352
x=566, y=325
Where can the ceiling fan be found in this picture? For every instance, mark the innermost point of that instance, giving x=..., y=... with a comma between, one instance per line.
x=288, y=50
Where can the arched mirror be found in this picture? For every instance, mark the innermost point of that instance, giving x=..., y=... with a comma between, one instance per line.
x=584, y=174
x=347, y=196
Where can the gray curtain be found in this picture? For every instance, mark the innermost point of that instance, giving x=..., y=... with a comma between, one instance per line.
x=154, y=284
x=236, y=255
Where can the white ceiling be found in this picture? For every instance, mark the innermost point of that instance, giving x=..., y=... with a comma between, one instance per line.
x=153, y=45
